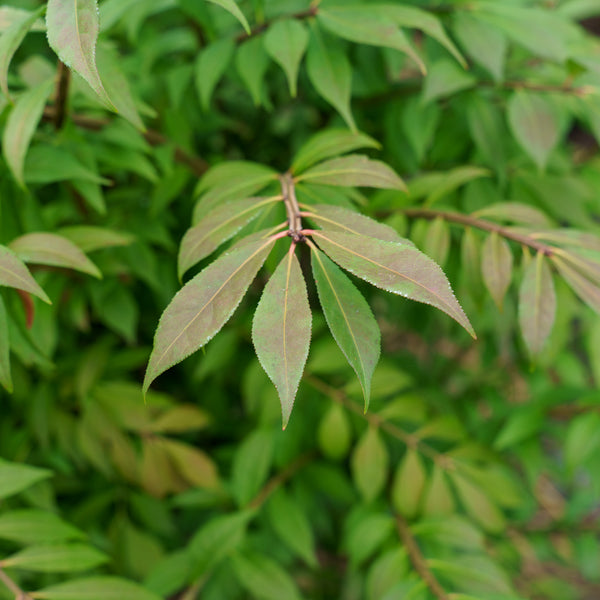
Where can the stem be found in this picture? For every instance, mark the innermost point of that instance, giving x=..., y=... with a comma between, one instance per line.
x=418, y=560
x=62, y=93
x=468, y=221
x=291, y=207
x=13, y=587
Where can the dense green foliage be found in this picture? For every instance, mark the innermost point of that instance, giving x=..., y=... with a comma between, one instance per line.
x=212, y=212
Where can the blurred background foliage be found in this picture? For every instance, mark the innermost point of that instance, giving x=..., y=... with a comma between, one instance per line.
x=475, y=474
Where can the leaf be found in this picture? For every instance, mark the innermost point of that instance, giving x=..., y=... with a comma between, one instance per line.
x=191, y=464
x=334, y=435
x=72, y=28
x=516, y=212
x=219, y=225
x=16, y=477
x=210, y=65
x=216, y=539
x=286, y=42
x=386, y=573
x=219, y=176
x=409, y=484
x=438, y=498
x=21, y=124
x=437, y=241
x=534, y=124
x=419, y=124
x=328, y=143
x=537, y=304
x=369, y=463
x=444, y=79
x=5, y=377
x=231, y=7
x=488, y=131
x=483, y=43
x=496, y=266
x=281, y=330
x=397, y=268
x=583, y=287
x=354, y=170
x=367, y=535
x=252, y=62
x=518, y=427
x=11, y=39
x=368, y=25
x=54, y=558
x=349, y=318
x=582, y=439
x=90, y=237
x=13, y=273
x=292, y=526
x=33, y=526
x=349, y=221
x=263, y=577
x=181, y=418
x=54, y=250
x=95, y=588
x=330, y=73
x=203, y=306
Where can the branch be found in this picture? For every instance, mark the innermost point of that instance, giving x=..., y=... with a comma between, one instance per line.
x=13, y=587
x=468, y=221
x=292, y=209
x=418, y=560
x=62, y=93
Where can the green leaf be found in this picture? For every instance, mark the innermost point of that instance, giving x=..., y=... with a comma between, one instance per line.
x=349, y=318
x=523, y=214
x=32, y=526
x=210, y=65
x=263, y=577
x=444, y=79
x=72, y=28
x=90, y=237
x=328, y=143
x=387, y=571
x=368, y=25
x=420, y=123
x=54, y=250
x=370, y=462
x=5, y=377
x=483, y=43
x=335, y=433
x=583, y=287
x=437, y=240
x=330, y=73
x=349, y=221
x=488, y=131
x=496, y=266
x=215, y=540
x=95, y=588
x=14, y=274
x=518, y=427
x=181, y=418
x=582, y=439
x=409, y=484
x=219, y=225
x=252, y=62
x=281, y=330
x=354, y=170
x=11, y=39
x=219, y=177
x=21, y=125
x=231, y=7
x=397, y=268
x=54, y=558
x=438, y=498
x=15, y=477
x=292, y=526
x=537, y=304
x=204, y=304
x=286, y=42
x=534, y=123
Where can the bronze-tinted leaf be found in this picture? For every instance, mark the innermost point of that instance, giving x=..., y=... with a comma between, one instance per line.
x=584, y=288
x=537, y=304
x=203, y=306
x=281, y=330
x=397, y=268
x=496, y=266
x=13, y=273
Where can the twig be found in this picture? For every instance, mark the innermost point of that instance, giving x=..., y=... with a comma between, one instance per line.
x=13, y=587
x=468, y=221
x=292, y=209
x=62, y=92
x=418, y=560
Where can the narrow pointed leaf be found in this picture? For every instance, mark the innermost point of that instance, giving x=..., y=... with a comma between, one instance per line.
x=210, y=66
x=252, y=62
x=231, y=7
x=16, y=477
x=54, y=250
x=203, y=306
x=5, y=377
x=364, y=25
x=72, y=33
x=281, y=330
x=370, y=462
x=20, y=126
x=95, y=588
x=11, y=39
x=32, y=526
x=350, y=319
x=496, y=266
x=588, y=267
x=341, y=219
x=397, y=268
x=217, y=227
x=537, y=304
x=409, y=484
x=330, y=72
x=13, y=273
x=583, y=287
x=354, y=170
x=516, y=212
x=286, y=42
x=90, y=237
x=54, y=558
x=328, y=143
